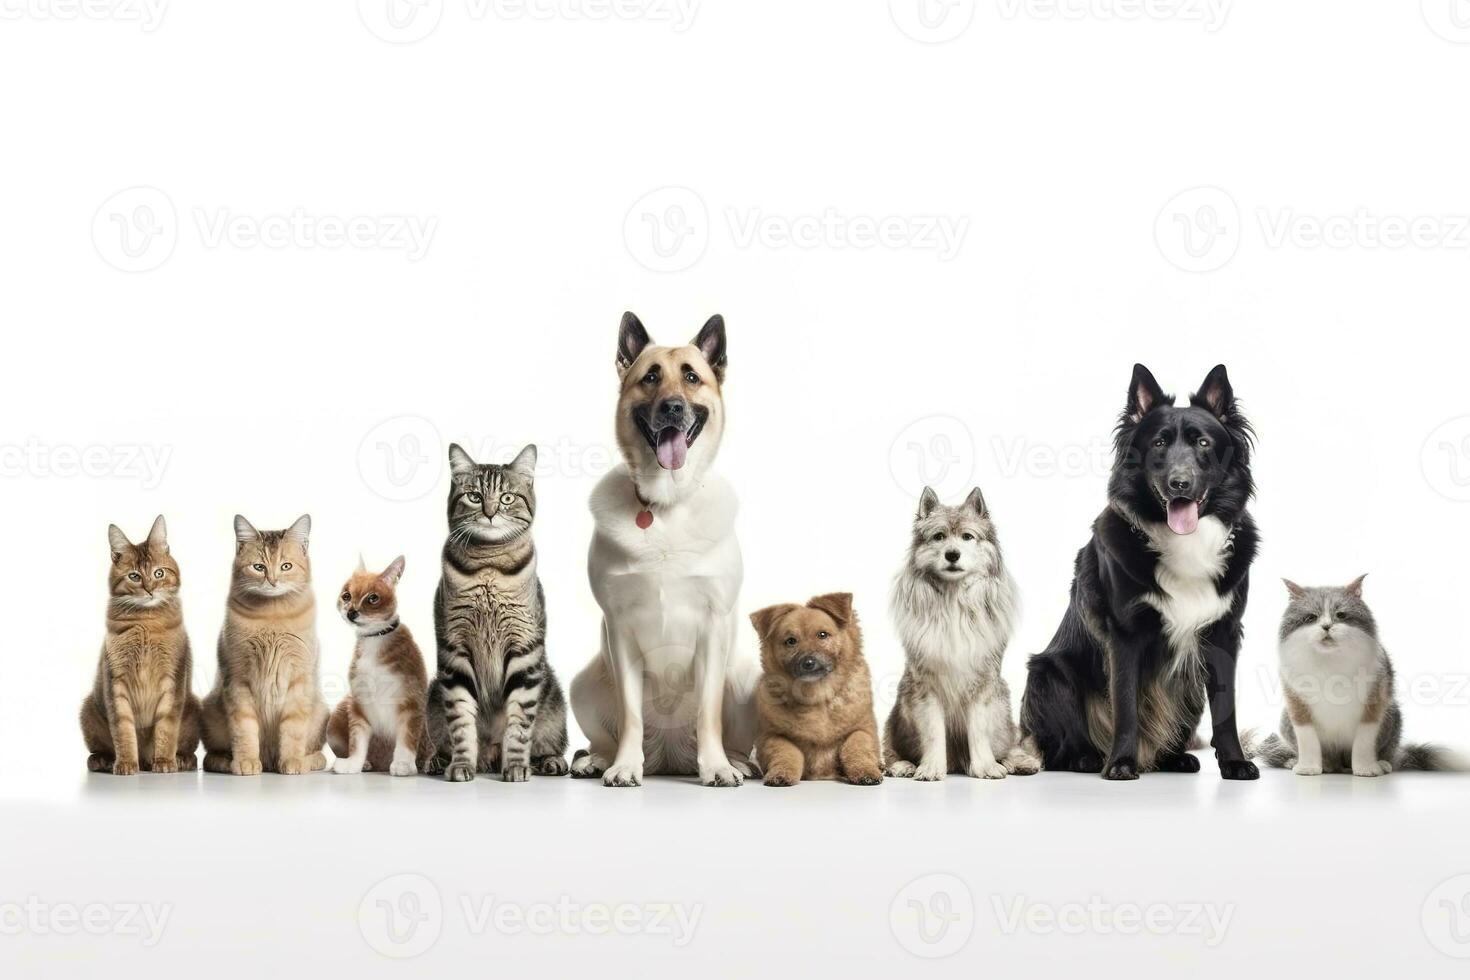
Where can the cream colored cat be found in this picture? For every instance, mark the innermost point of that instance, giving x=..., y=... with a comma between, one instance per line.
x=266, y=710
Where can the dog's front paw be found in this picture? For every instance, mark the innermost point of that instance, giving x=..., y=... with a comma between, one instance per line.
x=989, y=769
x=867, y=777
x=1239, y=769
x=929, y=772
x=585, y=765
x=346, y=767
x=187, y=762
x=1122, y=769
x=402, y=767
x=720, y=774
x=459, y=772
x=777, y=777
x=1022, y=764
x=97, y=762
x=121, y=768
x=165, y=764
x=515, y=773
x=1302, y=769
x=245, y=767
x=623, y=774
x=901, y=770
x=1177, y=763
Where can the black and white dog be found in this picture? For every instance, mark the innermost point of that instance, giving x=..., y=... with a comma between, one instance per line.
x=1153, y=629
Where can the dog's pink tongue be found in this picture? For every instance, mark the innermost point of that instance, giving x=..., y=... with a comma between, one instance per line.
x=1183, y=516
x=673, y=445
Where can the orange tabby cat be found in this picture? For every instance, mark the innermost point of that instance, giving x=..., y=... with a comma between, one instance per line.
x=380, y=725
x=266, y=710
x=141, y=696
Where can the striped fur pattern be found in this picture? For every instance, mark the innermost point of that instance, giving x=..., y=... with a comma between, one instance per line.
x=495, y=704
x=266, y=711
x=141, y=712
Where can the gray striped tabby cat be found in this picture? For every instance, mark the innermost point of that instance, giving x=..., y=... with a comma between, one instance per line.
x=495, y=703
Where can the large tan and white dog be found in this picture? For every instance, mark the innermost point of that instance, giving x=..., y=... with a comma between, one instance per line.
x=664, y=695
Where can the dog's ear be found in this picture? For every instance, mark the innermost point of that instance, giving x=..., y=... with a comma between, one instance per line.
x=764, y=620
x=976, y=499
x=1215, y=394
x=1144, y=394
x=1294, y=590
x=632, y=338
x=928, y=500
x=1355, y=587
x=711, y=343
x=838, y=605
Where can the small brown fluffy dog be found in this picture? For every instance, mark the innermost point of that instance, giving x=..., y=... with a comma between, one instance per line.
x=815, y=699
x=380, y=725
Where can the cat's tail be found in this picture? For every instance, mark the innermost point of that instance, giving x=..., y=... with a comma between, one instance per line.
x=1430, y=758
x=1271, y=750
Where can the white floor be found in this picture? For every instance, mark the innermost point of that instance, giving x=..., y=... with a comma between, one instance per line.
x=1336, y=875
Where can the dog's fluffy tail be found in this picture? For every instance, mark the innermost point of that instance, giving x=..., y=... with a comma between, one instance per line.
x=1271, y=750
x=1430, y=758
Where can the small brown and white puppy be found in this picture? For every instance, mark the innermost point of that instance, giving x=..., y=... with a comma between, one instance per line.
x=815, y=700
x=380, y=725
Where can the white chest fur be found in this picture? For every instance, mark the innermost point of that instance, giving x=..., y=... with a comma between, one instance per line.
x=1335, y=683
x=376, y=688
x=1186, y=574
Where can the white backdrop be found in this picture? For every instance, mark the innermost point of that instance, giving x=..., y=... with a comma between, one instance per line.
x=271, y=258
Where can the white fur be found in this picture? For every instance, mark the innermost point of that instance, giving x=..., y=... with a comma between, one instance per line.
x=1335, y=682
x=378, y=692
x=1188, y=569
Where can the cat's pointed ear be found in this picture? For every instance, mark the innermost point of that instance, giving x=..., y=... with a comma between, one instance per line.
x=838, y=605
x=632, y=338
x=976, y=499
x=394, y=571
x=1294, y=590
x=764, y=620
x=1355, y=587
x=460, y=463
x=711, y=343
x=1215, y=394
x=928, y=500
x=1144, y=394
x=158, y=537
x=361, y=563
x=118, y=542
x=300, y=531
x=525, y=462
x=245, y=532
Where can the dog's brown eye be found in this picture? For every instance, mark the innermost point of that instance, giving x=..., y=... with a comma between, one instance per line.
x=791, y=641
x=691, y=378
x=939, y=536
x=1204, y=444
x=372, y=599
x=968, y=536
x=347, y=597
x=1158, y=444
x=822, y=635
x=650, y=378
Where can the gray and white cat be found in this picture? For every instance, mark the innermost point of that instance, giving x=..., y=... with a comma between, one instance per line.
x=495, y=703
x=954, y=606
x=1340, y=715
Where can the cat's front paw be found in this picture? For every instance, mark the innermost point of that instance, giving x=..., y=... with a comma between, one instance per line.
x=1304, y=769
x=1239, y=769
x=929, y=772
x=245, y=767
x=165, y=764
x=988, y=769
x=459, y=772
x=551, y=765
x=188, y=762
x=294, y=766
x=1372, y=769
x=900, y=769
x=97, y=762
x=122, y=768
x=516, y=773
x=346, y=767
x=403, y=767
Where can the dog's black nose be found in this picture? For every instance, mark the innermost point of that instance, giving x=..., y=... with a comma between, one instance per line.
x=672, y=409
x=352, y=615
x=951, y=556
x=1180, y=483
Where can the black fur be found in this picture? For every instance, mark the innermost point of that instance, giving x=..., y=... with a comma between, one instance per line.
x=1111, y=644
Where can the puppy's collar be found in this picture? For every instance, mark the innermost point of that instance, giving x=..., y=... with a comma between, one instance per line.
x=382, y=632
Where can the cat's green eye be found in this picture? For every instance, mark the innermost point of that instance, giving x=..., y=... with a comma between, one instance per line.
x=258, y=567
x=158, y=573
x=473, y=498
x=134, y=577
x=285, y=566
x=506, y=499
x=372, y=599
